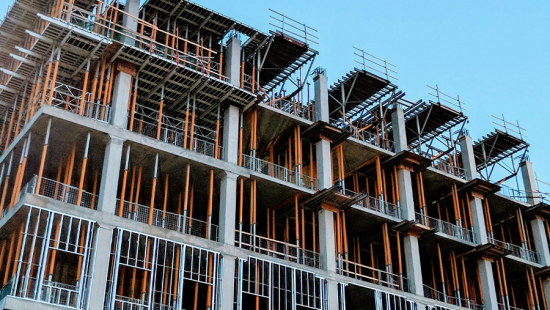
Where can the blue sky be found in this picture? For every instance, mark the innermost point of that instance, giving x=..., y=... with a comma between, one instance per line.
x=493, y=53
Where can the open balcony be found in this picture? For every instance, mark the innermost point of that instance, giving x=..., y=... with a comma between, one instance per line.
x=517, y=251
x=453, y=300
x=446, y=228
x=372, y=275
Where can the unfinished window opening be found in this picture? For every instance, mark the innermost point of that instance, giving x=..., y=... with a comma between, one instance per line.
x=153, y=272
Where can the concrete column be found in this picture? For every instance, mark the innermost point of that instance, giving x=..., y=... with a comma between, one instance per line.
x=228, y=282
x=399, y=130
x=231, y=134
x=324, y=166
x=321, y=98
x=412, y=263
x=132, y=8
x=406, y=198
x=332, y=292
x=121, y=95
x=529, y=182
x=478, y=218
x=487, y=284
x=109, y=176
x=228, y=206
x=100, y=268
x=468, y=159
x=327, y=241
x=541, y=240
x=233, y=61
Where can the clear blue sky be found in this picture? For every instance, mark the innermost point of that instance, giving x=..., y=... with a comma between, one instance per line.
x=493, y=53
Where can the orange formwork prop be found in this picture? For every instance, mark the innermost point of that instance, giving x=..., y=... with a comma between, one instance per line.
x=153, y=189
x=43, y=158
x=83, y=171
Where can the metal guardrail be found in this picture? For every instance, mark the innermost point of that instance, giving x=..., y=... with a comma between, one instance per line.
x=277, y=249
x=372, y=275
x=173, y=131
x=69, y=98
x=379, y=205
x=278, y=172
x=168, y=220
x=517, y=251
x=365, y=136
x=440, y=296
x=127, y=303
x=60, y=191
x=507, y=307
x=446, y=167
x=292, y=107
x=59, y=294
x=446, y=228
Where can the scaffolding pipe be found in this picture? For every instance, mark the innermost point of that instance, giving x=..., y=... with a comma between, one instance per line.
x=83, y=172
x=43, y=158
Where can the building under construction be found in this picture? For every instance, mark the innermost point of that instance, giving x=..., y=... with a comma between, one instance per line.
x=165, y=156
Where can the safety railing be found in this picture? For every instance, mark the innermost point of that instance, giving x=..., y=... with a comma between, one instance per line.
x=293, y=107
x=363, y=135
x=446, y=167
x=446, y=228
x=440, y=296
x=517, y=251
x=379, y=205
x=60, y=191
x=507, y=307
x=247, y=82
x=168, y=220
x=127, y=303
x=59, y=294
x=69, y=98
x=277, y=249
x=172, y=131
x=278, y=172
x=100, y=21
x=511, y=192
x=372, y=275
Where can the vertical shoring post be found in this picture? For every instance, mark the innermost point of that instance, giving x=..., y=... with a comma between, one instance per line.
x=124, y=179
x=51, y=265
x=83, y=171
x=16, y=181
x=134, y=100
x=43, y=159
x=192, y=134
x=54, y=76
x=186, y=195
x=216, y=147
x=21, y=110
x=161, y=106
x=210, y=202
x=186, y=123
x=4, y=128
x=100, y=89
x=165, y=200
x=35, y=94
x=10, y=125
x=296, y=223
x=441, y=272
x=94, y=90
x=23, y=166
x=240, y=139
x=46, y=80
x=84, y=88
x=138, y=187
x=153, y=189
x=6, y=182
x=191, y=202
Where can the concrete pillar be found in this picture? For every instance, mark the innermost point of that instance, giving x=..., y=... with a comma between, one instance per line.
x=109, y=176
x=399, y=130
x=100, y=268
x=327, y=241
x=228, y=206
x=228, y=282
x=412, y=263
x=121, y=95
x=231, y=134
x=478, y=218
x=321, y=98
x=541, y=240
x=233, y=61
x=406, y=198
x=529, y=182
x=468, y=159
x=324, y=166
x=332, y=292
x=132, y=8
x=487, y=284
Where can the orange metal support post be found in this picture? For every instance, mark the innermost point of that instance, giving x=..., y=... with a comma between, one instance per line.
x=161, y=104
x=54, y=77
x=124, y=179
x=83, y=172
x=43, y=159
x=84, y=89
x=154, y=187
